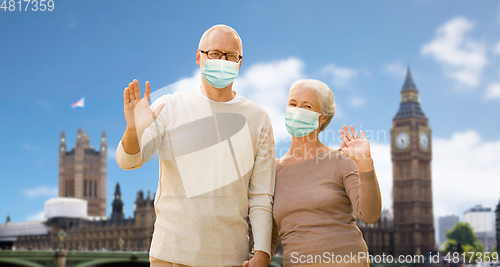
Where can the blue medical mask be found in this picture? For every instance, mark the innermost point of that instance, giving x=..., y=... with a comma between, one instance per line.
x=301, y=122
x=219, y=73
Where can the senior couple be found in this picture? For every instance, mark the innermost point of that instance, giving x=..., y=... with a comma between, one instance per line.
x=218, y=167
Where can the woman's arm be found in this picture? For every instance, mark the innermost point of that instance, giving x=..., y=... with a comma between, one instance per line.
x=363, y=190
x=360, y=180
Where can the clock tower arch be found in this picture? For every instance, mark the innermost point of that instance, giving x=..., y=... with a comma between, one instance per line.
x=411, y=154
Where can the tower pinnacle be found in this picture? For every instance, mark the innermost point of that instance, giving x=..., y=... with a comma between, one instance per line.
x=409, y=84
x=410, y=100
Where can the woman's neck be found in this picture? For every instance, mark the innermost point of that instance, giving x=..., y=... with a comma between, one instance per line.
x=306, y=147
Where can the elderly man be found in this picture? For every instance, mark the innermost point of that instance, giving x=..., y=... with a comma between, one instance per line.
x=217, y=162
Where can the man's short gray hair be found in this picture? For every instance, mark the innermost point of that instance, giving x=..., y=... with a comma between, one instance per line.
x=218, y=27
x=325, y=95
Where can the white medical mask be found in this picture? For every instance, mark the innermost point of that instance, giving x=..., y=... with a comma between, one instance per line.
x=219, y=73
x=300, y=121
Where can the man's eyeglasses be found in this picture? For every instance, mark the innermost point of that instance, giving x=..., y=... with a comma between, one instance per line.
x=214, y=54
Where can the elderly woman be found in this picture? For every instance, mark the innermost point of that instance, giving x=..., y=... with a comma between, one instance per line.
x=318, y=188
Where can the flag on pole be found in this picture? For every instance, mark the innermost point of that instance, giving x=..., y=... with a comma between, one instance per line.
x=79, y=103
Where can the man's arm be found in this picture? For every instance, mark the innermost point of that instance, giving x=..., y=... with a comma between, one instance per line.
x=143, y=124
x=261, y=258
x=261, y=191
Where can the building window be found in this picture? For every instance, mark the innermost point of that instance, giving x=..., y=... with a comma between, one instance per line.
x=95, y=188
x=90, y=188
x=84, y=188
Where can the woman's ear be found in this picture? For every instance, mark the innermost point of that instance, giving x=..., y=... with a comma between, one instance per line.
x=322, y=119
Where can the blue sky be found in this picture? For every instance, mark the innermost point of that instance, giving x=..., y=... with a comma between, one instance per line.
x=361, y=49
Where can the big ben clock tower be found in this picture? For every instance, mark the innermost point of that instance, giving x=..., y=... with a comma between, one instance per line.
x=411, y=154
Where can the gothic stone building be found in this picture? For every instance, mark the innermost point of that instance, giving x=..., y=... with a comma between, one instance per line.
x=82, y=172
x=82, y=175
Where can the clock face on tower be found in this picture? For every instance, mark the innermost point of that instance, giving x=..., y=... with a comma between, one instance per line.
x=402, y=140
x=423, y=139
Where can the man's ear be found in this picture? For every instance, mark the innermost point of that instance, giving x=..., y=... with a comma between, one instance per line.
x=239, y=65
x=198, y=58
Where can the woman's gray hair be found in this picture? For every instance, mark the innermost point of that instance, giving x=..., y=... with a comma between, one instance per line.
x=221, y=28
x=325, y=95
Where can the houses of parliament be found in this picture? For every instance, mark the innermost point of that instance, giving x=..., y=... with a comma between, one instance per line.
x=82, y=177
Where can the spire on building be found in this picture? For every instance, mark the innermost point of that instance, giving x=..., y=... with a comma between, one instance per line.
x=62, y=143
x=103, y=144
x=410, y=100
x=8, y=219
x=82, y=139
x=117, y=190
x=409, y=84
x=117, y=205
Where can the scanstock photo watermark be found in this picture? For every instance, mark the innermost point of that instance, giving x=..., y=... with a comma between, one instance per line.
x=449, y=257
x=27, y=5
x=210, y=132
x=206, y=134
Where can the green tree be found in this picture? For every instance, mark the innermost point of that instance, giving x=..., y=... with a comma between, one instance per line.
x=479, y=247
x=462, y=232
x=450, y=244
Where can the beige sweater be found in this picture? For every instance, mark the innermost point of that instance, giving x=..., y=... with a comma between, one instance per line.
x=216, y=167
x=313, y=209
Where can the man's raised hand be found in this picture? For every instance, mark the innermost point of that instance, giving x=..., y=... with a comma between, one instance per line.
x=138, y=114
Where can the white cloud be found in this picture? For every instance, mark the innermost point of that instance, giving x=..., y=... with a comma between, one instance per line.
x=462, y=58
x=265, y=83
x=41, y=191
x=357, y=102
x=394, y=68
x=39, y=216
x=342, y=76
x=496, y=50
x=381, y=154
x=268, y=84
x=492, y=91
x=465, y=172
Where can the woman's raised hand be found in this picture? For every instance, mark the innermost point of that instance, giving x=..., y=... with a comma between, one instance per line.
x=354, y=147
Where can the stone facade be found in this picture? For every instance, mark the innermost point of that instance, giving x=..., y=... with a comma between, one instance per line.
x=99, y=234
x=82, y=172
